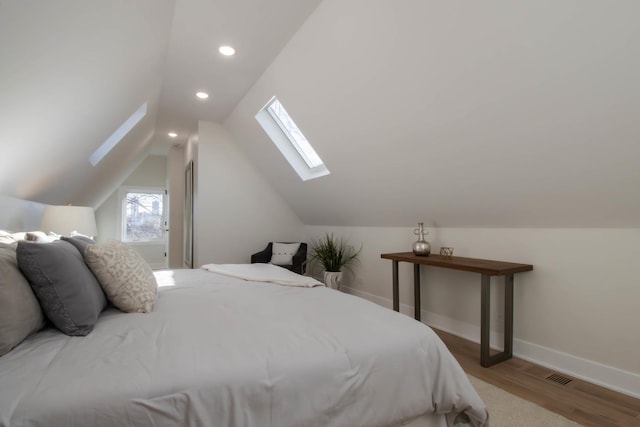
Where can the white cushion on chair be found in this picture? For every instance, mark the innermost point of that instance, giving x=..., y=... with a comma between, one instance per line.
x=282, y=253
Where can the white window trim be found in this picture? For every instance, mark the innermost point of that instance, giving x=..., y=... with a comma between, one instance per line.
x=122, y=214
x=286, y=146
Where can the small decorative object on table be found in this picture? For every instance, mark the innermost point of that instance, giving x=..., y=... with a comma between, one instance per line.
x=421, y=247
x=446, y=251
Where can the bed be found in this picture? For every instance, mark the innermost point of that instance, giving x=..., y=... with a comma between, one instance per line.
x=218, y=350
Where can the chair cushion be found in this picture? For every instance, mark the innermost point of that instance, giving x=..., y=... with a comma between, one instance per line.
x=282, y=253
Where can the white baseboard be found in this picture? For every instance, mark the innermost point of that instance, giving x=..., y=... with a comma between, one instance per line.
x=596, y=373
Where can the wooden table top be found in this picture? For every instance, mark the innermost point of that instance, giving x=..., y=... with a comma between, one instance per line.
x=476, y=265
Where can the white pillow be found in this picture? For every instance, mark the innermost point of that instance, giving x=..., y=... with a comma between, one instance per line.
x=282, y=253
x=41, y=237
x=8, y=238
x=74, y=233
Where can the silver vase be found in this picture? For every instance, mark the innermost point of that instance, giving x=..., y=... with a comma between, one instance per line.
x=421, y=247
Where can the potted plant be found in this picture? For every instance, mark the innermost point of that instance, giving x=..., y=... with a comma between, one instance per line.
x=334, y=255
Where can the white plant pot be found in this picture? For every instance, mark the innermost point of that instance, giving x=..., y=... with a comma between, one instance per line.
x=333, y=279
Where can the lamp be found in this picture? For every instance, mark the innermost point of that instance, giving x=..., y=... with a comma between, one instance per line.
x=65, y=219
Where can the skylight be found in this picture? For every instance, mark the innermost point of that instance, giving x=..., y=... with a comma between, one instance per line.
x=291, y=142
x=117, y=136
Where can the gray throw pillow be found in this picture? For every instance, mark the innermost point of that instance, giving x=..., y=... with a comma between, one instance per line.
x=80, y=242
x=125, y=276
x=20, y=313
x=69, y=293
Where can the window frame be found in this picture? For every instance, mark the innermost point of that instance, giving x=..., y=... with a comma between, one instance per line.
x=122, y=213
x=286, y=143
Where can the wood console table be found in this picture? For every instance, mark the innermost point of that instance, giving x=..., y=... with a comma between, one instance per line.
x=487, y=269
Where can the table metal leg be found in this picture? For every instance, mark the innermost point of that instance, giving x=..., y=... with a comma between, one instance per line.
x=485, y=320
x=508, y=315
x=416, y=290
x=486, y=359
x=396, y=293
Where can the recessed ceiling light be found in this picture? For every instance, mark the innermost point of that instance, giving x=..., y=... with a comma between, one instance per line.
x=202, y=95
x=226, y=50
x=172, y=134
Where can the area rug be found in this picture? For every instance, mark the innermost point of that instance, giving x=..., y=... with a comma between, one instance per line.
x=508, y=410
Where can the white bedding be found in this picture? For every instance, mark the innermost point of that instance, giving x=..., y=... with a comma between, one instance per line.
x=261, y=272
x=220, y=351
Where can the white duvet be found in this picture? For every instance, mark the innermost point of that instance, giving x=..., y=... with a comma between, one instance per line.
x=262, y=272
x=220, y=351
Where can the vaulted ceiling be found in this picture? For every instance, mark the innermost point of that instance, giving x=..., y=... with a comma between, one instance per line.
x=72, y=72
x=493, y=113
x=461, y=114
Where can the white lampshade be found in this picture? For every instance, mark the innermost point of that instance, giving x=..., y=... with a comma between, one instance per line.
x=65, y=219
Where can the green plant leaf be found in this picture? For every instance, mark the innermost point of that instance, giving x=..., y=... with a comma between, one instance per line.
x=333, y=254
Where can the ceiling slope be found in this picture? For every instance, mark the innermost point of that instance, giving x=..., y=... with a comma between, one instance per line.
x=256, y=29
x=493, y=113
x=70, y=74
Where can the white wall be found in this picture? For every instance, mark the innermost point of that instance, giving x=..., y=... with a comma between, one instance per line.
x=90, y=65
x=152, y=172
x=238, y=213
x=20, y=215
x=175, y=175
x=576, y=311
x=490, y=113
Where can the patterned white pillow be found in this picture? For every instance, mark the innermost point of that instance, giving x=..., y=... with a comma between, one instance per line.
x=124, y=275
x=282, y=253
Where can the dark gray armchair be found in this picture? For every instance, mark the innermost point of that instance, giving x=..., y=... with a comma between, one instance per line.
x=299, y=259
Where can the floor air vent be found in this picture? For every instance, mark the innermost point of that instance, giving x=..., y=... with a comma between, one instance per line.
x=560, y=379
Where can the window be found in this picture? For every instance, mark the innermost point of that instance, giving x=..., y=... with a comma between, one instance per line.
x=291, y=142
x=142, y=217
x=117, y=136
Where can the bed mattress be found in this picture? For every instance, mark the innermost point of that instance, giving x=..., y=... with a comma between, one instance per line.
x=221, y=351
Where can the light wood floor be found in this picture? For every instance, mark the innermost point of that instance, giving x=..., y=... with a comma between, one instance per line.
x=580, y=401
